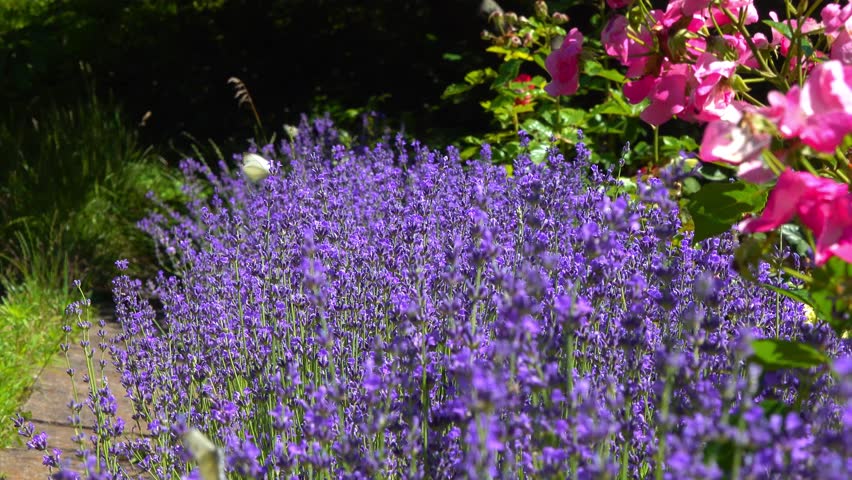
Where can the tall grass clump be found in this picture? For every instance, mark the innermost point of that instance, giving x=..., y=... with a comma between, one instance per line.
x=73, y=184
x=79, y=171
x=397, y=314
x=30, y=317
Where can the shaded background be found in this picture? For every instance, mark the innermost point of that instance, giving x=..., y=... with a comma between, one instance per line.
x=99, y=99
x=172, y=58
x=78, y=77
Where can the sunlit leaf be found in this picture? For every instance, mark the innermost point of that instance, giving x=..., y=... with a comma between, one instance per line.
x=776, y=354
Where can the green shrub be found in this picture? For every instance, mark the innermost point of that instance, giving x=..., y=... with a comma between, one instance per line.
x=80, y=173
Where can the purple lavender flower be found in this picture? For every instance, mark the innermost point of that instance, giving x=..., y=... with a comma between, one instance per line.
x=38, y=442
x=387, y=312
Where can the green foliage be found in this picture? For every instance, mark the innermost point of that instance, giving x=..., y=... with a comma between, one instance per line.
x=517, y=99
x=17, y=14
x=51, y=159
x=30, y=329
x=776, y=354
x=830, y=294
x=785, y=30
x=718, y=206
x=78, y=176
x=36, y=257
x=179, y=73
x=828, y=297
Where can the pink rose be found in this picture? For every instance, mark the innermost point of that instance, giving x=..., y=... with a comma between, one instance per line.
x=838, y=29
x=632, y=54
x=711, y=95
x=841, y=49
x=691, y=7
x=727, y=142
x=735, y=7
x=668, y=96
x=808, y=26
x=615, y=40
x=709, y=71
x=678, y=10
x=835, y=19
x=820, y=113
x=832, y=226
x=828, y=89
x=707, y=75
x=826, y=103
x=823, y=205
x=784, y=111
x=745, y=56
x=714, y=105
x=564, y=65
x=638, y=90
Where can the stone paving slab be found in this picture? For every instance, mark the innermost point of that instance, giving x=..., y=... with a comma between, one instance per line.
x=48, y=406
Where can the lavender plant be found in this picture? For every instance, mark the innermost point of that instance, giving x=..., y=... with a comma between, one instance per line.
x=395, y=313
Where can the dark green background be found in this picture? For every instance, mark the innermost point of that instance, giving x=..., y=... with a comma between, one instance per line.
x=173, y=58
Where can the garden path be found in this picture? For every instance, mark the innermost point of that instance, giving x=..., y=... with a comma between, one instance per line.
x=47, y=404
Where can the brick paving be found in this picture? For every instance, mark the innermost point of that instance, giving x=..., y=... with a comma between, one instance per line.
x=47, y=404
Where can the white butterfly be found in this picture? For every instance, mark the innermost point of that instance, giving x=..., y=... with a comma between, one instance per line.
x=210, y=460
x=255, y=167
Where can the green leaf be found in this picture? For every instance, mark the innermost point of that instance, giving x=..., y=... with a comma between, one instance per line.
x=718, y=206
x=455, y=89
x=539, y=59
x=506, y=102
x=691, y=185
x=616, y=104
x=469, y=152
x=676, y=144
x=595, y=69
x=776, y=354
x=831, y=293
x=499, y=137
x=507, y=72
x=784, y=29
x=452, y=57
x=573, y=117
x=792, y=235
x=538, y=152
x=530, y=107
x=537, y=128
x=611, y=108
x=478, y=77
x=509, y=54
x=569, y=117
x=775, y=407
x=714, y=172
x=799, y=295
x=722, y=453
